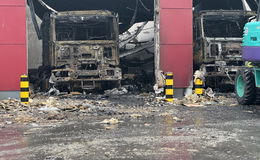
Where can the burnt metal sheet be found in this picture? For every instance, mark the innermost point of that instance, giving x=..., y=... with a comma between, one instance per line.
x=12, y=43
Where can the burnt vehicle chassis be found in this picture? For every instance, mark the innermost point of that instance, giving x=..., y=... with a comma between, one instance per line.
x=217, y=45
x=80, y=50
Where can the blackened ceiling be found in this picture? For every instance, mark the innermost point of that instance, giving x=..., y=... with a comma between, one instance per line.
x=134, y=10
x=224, y=4
x=128, y=10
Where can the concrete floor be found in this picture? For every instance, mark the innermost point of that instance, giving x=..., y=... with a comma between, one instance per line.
x=200, y=133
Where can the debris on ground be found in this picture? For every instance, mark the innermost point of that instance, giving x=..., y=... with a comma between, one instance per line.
x=176, y=119
x=157, y=89
x=8, y=122
x=165, y=114
x=75, y=93
x=209, y=93
x=53, y=92
x=199, y=74
x=136, y=115
x=209, y=98
x=24, y=118
x=193, y=105
x=147, y=124
x=77, y=107
x=48, y=109
x=168, y=149
x=111, y=121
x=116, y=91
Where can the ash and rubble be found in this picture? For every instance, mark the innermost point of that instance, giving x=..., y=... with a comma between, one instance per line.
x=115, y=103
x=140, y=123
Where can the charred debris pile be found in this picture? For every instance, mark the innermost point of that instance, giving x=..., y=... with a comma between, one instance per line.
x=112, y=106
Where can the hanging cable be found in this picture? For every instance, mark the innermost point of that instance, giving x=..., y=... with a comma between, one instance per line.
x=147, y=9
x=134, y=15
x=46, y=6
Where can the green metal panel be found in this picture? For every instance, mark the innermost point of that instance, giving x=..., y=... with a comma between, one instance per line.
x=251, y=35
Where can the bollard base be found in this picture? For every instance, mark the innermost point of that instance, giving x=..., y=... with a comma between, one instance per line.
x=9, y=94
x=179, y=92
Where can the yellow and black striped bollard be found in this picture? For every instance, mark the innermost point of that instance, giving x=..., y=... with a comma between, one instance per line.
x=169, y=91
x=24, y=92
x=199, y=86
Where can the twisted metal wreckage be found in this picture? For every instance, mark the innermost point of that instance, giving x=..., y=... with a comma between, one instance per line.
x=216, y=54
x=81, y=48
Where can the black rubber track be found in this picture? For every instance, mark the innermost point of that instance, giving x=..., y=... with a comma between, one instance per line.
x=249, y=96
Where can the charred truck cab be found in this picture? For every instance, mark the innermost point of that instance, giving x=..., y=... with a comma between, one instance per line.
x=80, y=50
x=217, y=44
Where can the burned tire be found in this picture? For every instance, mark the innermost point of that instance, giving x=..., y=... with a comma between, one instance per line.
x=245, y=86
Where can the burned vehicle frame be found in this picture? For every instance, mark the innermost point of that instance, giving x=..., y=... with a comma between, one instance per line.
x=217, y=44
x=80, y=50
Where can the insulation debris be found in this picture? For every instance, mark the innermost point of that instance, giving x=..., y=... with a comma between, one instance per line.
x=209, y=98
x=199, y=74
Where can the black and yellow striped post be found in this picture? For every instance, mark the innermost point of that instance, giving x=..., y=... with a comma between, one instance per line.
x=24, y=93
x=199, y=86
x=169, y=91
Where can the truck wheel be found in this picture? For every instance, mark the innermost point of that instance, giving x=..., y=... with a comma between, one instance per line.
x=245, y=87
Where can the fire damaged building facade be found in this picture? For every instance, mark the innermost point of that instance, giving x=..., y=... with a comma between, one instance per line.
x=217, y=44
x=67, y=55
x=80, y=50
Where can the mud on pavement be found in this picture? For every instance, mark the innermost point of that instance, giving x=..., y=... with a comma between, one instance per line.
x=128, y=126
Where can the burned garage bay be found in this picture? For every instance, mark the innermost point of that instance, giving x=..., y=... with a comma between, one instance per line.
x=217, y=44
x=80, y=50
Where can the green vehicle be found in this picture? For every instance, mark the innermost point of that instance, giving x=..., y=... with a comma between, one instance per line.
x=247, y=84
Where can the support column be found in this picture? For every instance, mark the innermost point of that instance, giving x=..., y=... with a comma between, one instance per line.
x=13, y=46
x=174, y=42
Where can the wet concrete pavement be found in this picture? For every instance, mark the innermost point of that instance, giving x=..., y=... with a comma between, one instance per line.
x=170, y=133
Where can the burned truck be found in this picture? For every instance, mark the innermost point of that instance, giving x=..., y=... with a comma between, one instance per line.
x=80, y=50
x=217, y=44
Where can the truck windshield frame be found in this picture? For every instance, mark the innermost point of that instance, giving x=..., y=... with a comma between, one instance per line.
x=84, y=27
x=219, y=26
